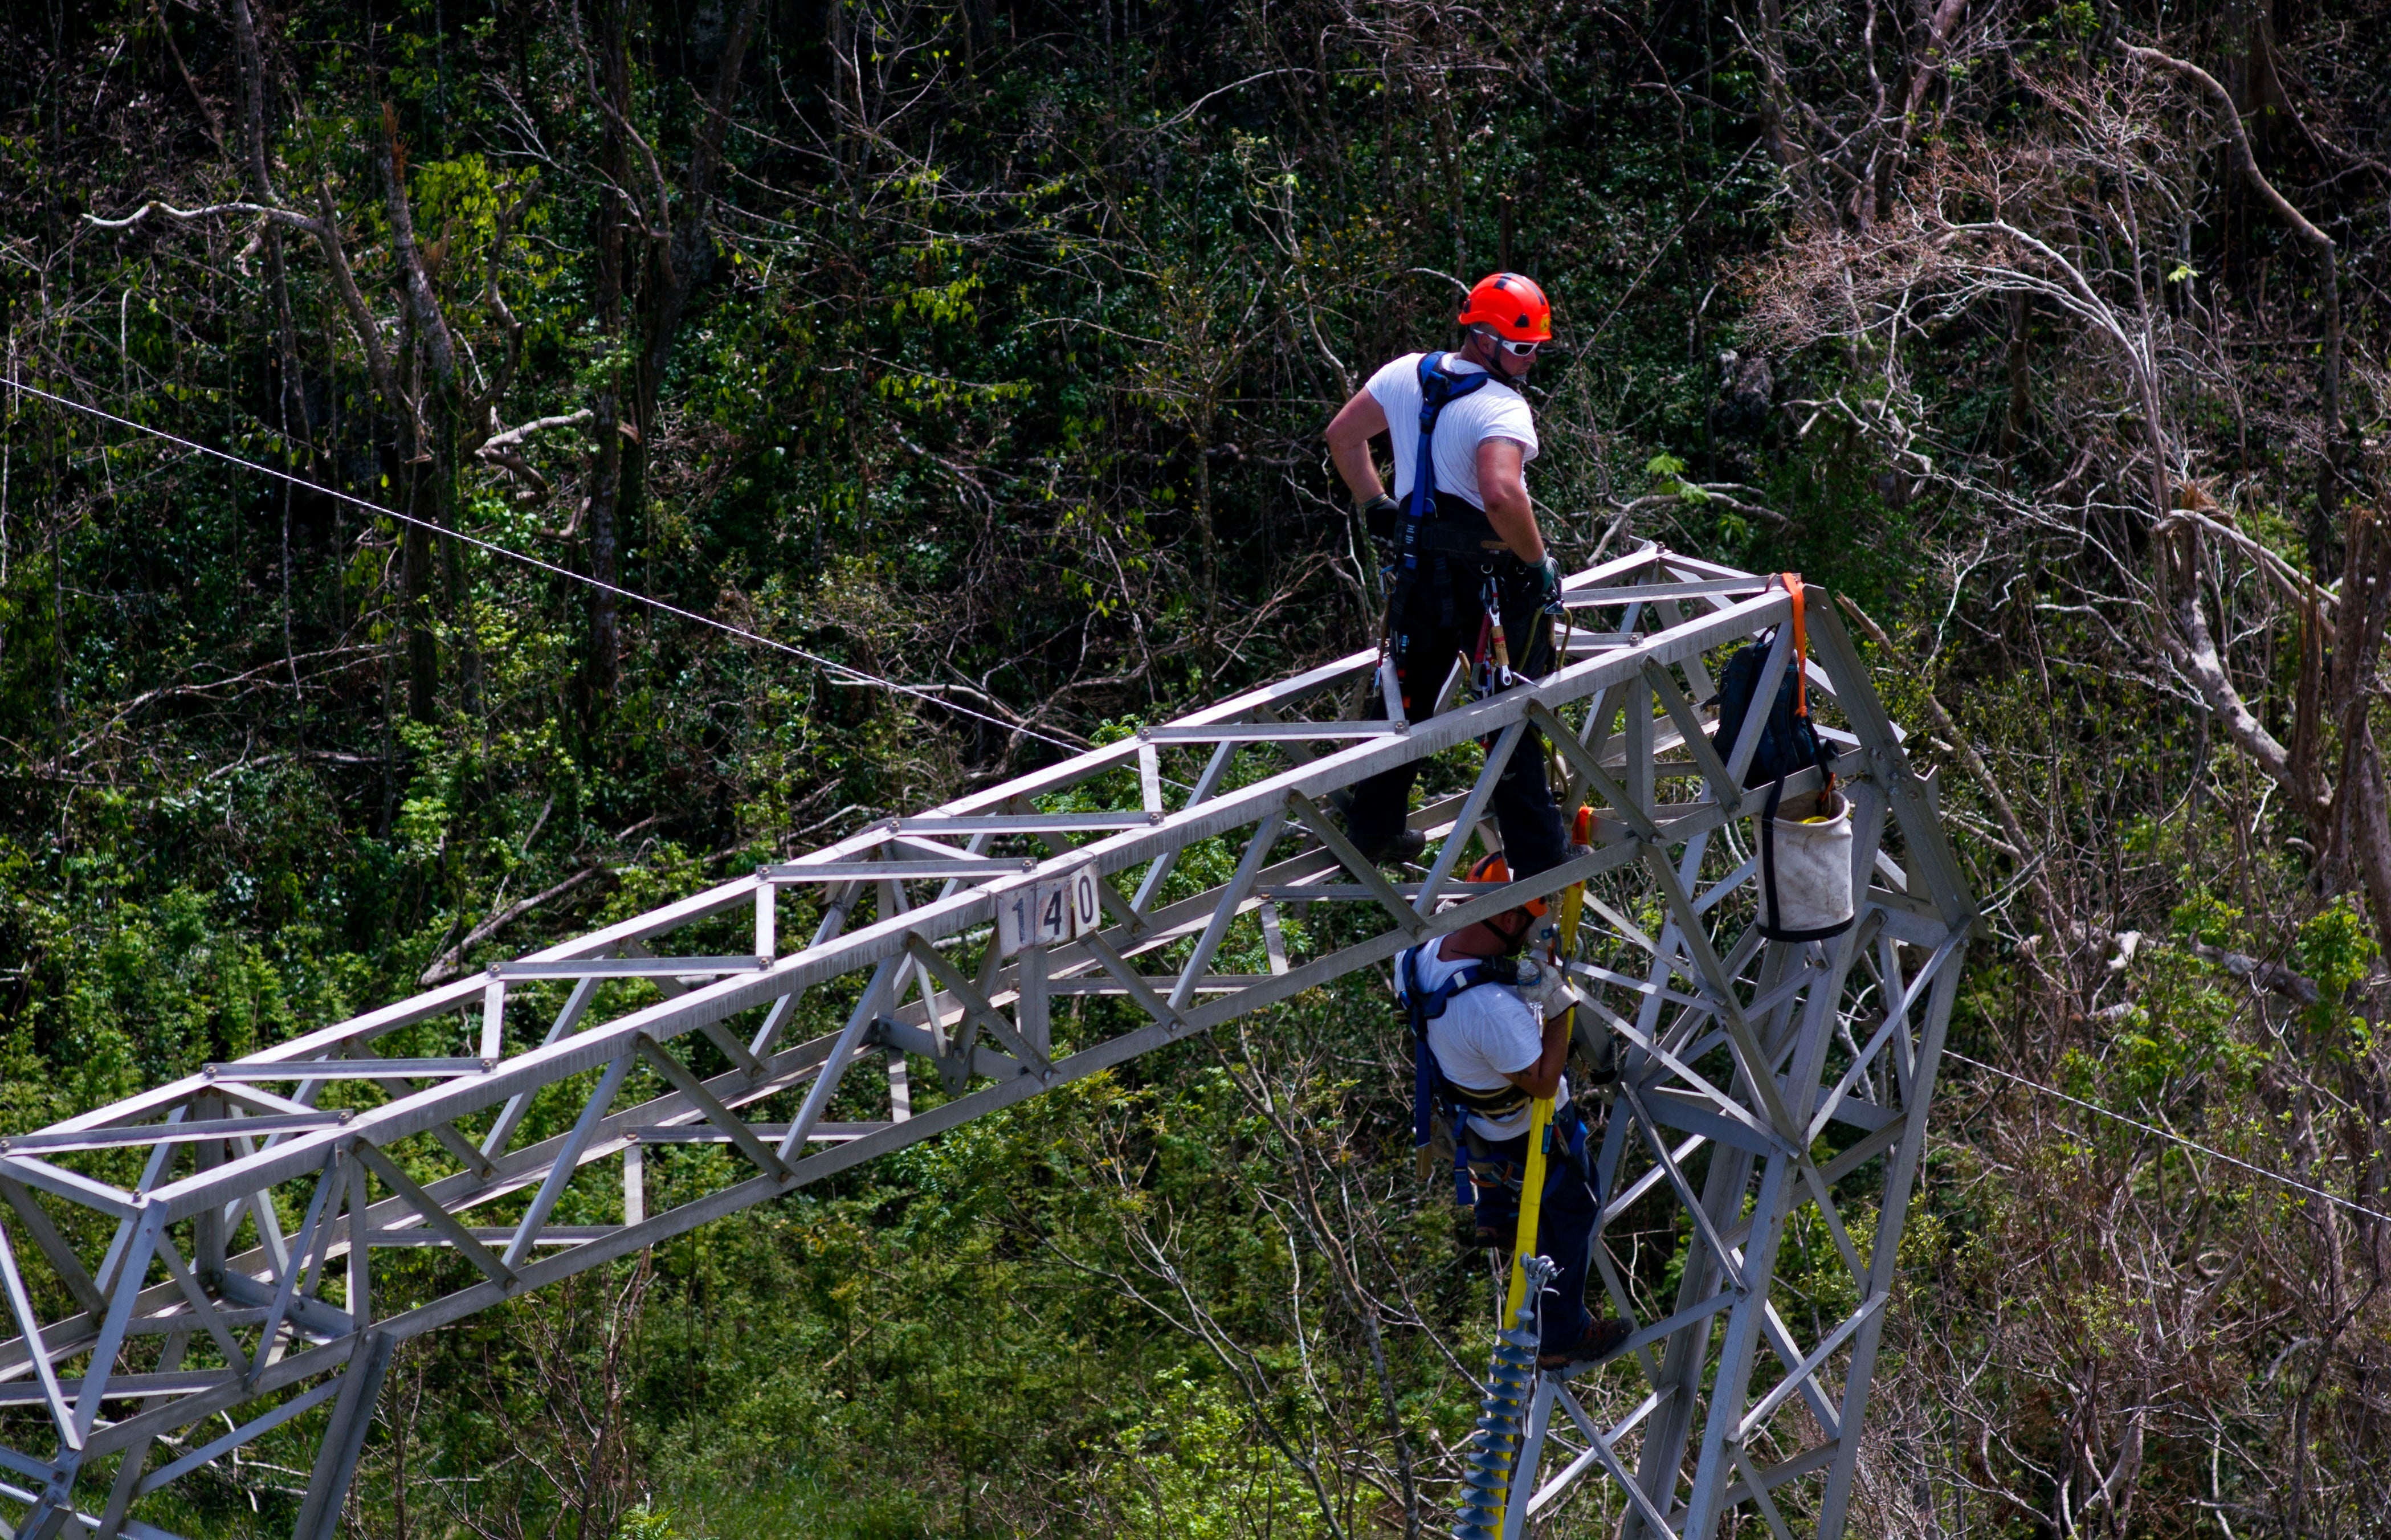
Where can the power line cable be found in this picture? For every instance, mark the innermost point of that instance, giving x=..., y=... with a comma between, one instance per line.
x=528, y=560
x=2177, y=1138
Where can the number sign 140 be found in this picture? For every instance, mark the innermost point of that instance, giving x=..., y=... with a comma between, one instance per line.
x=1054, y=906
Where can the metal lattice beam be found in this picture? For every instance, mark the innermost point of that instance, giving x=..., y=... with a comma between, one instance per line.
x=1766, y=1061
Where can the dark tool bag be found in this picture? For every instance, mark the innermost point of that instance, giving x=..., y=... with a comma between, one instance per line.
x=1789, y=741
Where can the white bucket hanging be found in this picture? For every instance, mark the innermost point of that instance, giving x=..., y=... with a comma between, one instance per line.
x=1806, y=866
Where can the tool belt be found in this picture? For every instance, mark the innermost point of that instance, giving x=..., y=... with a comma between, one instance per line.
x=1459, y=539
x=1462, y=528
x=1499, y=1102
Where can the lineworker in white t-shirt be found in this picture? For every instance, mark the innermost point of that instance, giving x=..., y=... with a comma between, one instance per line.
x=1486, y=1055
x=1467, y=546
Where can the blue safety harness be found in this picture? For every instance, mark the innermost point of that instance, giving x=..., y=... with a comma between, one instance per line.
x=1439, y=389
x=1431, y=1091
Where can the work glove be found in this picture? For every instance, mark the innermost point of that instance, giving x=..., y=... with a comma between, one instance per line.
x=1379, y=515
x=1546, y=987
x=1549, y=582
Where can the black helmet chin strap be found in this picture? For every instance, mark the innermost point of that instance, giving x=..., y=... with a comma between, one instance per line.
x=1512, y=943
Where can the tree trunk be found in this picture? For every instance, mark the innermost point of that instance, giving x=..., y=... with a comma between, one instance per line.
x=2323, y=530
x=289, y=399
x=679, y=262
x=58, y=572
x=1200, y=440
x=605, y=640
x=677, y=257
x=415, y=587
x=1928, y=64
x=610, y=239
x=422, y=406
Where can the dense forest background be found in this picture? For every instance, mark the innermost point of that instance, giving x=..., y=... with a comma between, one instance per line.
x=985, y=348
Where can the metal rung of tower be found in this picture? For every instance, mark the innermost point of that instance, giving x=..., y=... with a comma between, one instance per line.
x=217, y=1236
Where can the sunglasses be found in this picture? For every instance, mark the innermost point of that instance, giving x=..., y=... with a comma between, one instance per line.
x=1517, y=350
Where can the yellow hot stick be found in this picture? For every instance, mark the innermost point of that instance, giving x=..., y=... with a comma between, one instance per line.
x=1539, y=1112
x=1532, y=1198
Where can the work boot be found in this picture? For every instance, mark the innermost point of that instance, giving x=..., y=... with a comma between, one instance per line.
x=1601, y=1339
x=1403, y=846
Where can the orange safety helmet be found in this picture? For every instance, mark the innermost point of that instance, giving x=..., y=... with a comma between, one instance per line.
x=1495, y=868
x=1510, y=306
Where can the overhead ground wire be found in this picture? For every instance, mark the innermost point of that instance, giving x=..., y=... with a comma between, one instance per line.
x=302, y=482
x=2291, y=1183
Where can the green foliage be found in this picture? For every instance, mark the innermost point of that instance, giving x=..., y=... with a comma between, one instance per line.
x=649, y=1522
x=2335, y=948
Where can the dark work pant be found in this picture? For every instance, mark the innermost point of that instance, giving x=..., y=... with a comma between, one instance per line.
x=1426, y=644
x=1564, y=1223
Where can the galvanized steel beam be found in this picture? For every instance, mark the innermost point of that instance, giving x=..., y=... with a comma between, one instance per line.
x=1727, y=1045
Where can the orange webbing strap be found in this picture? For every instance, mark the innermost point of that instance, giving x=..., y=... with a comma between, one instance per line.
x=1801, y=645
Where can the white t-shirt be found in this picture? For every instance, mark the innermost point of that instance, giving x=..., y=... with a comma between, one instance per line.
x=1485, y=1035
x=1493, y=410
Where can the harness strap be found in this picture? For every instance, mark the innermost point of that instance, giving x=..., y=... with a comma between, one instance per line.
x=1486, y=1103
x=1438, y=390
x=1429, y=1085
x=1768, y=857
x=1423, y=1066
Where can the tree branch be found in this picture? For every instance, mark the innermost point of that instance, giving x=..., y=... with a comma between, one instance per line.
x=447, y=964
x=2329, y=365
x=2239, y=136
x=157, y=205
x=514, y=436
x=2194, y=651
x=2266, y=976
x=430, y=321
x=2020, y=844
x=495, y=297
x=207, y=107
x=326, y=231
x=1930, y=60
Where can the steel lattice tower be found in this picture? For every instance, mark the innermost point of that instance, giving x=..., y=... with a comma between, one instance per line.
x=218, y=1234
